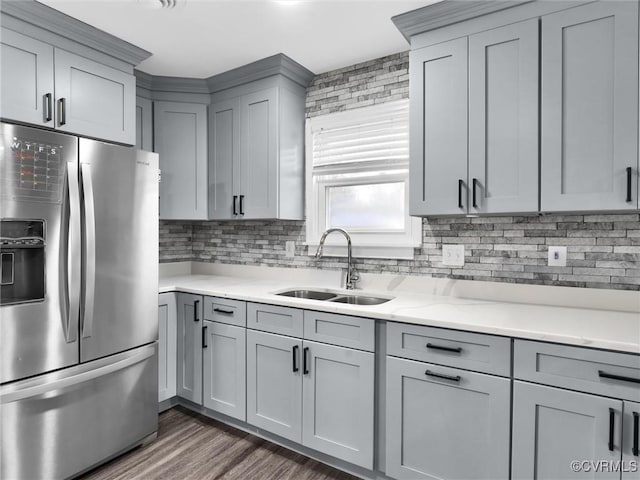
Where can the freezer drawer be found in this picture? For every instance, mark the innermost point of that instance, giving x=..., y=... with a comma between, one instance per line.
x=60, y=424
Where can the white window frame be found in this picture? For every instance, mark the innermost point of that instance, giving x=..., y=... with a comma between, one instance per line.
x=381, y=244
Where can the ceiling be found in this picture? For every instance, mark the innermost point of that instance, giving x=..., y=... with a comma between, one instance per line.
x=201, y=38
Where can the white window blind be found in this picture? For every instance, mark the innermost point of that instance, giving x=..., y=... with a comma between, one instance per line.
x=357, y=179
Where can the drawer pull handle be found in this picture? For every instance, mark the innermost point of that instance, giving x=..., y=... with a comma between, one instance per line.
x=294, y=358
x=235, y=205
x=460, y=187
x=635, y=449
x=48, y=107
x=475, y=186
x=226, y=312
x=612, y=419
x=629, y=175
x=195, y=311
x=446, y=349
x=305, y=367
x=62, y=112
x=445, y=377
x=204, y=337
x=622, y=378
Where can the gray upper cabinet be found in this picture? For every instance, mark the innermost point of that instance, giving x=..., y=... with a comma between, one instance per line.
x=27, y=79
x=256, y=161
x=503, y=119
x=144, y=124
x=553, y=427
x=445, y=423
x=180, y=133
x=94, y=99
x=477, y=154
x=590, y=108
x=189, y=349
x=224, y=365
x=224, y=159
x=438, y=129
x=89, y=98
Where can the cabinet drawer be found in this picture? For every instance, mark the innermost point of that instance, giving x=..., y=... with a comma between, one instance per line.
x=472, y=351
x=343, y=330
x=594, y=371
x=269, y=318
x=223, y=310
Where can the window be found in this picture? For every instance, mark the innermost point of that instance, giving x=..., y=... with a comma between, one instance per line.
x=357, y=179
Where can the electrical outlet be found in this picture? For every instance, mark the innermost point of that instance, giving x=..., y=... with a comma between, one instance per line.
x=290, y=248
x=557, y=257
x=453, y=255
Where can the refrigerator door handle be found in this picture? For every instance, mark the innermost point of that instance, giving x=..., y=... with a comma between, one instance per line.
x=73, y=259
x=67, y=382
x=90, y=251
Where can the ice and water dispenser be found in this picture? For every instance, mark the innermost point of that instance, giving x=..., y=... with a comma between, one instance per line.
x=22, y=245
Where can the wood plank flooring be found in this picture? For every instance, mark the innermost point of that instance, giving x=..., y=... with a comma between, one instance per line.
x=193, y=447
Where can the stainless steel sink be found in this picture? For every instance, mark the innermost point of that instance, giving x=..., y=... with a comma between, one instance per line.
x=359, y=300
x=309, y=294
x=338, y=297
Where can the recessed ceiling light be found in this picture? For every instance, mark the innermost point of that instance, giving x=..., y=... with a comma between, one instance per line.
x=288, y=3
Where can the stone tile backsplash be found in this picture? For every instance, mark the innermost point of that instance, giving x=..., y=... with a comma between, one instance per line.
x=603, y=250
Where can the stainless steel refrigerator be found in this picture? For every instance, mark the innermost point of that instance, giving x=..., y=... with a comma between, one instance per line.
x=78, y=313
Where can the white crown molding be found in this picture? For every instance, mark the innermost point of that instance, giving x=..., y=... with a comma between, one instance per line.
x=53, y=23
x=447, y=13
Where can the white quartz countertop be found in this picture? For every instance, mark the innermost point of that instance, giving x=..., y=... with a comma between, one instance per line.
x=588, y=327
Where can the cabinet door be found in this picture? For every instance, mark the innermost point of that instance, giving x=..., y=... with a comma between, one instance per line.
x=144, y=124
x=338, y=396
x=503, y=119
x=453, y=428
x=259, y=155
x=438, y=129
x=190, y=347
x=590, y=107
x=553, y=427
x=224, y=157
x=93, y=99
x=631, y=439
x=274, y=384
x=27, y=79
x=224, y=366
x=167, y=346
x=180, y=132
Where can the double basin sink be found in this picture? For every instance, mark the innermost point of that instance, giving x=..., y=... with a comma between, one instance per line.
x=327, y=296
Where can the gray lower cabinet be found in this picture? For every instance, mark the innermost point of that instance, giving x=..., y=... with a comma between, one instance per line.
x=590, y=108
x=338, y=401
x=180, y=133
x=274, y=384
x=189, y=349
x=445, y=423
x=224, y=367
x=51, y=87
x=319, y=395
x=553, y=428
x=167, y=346
x=631, y=437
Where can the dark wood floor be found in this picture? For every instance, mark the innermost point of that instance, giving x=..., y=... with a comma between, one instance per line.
x=193, y=447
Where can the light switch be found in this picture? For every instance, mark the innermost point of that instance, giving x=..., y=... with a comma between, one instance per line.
x=453, y=255
x=557, y=257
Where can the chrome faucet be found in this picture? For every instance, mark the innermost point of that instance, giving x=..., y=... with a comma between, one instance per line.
x=352, y=274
